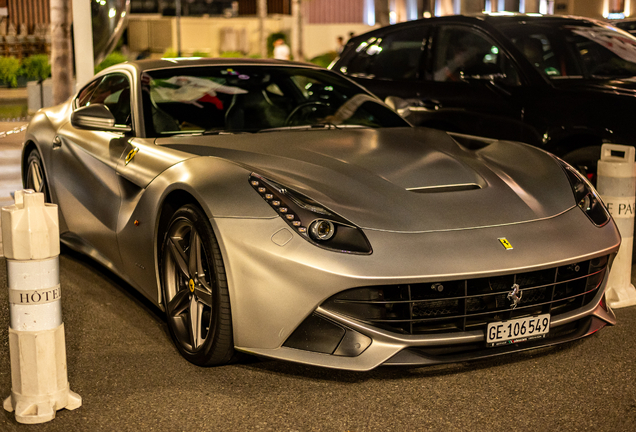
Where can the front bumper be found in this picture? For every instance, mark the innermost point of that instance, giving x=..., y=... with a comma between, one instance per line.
x=389, y=348
x=275, y=286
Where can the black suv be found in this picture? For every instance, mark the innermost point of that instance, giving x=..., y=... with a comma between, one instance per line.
x=563, y=84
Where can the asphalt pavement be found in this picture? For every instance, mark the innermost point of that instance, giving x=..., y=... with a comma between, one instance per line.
x=131, y=378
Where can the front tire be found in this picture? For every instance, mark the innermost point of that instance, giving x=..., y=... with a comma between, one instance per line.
x=195, y=289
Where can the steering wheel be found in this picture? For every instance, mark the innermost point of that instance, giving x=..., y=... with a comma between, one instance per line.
x=300, y=108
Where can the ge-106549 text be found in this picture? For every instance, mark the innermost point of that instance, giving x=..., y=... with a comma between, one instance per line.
x=518, y=330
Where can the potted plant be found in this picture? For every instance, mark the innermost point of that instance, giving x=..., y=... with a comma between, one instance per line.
x=111, y=59
x=9, y=71
x=36, y=67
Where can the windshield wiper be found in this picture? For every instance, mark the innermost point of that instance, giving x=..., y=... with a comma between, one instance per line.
x=612, y=76
x=317, y=126
x=223, y=132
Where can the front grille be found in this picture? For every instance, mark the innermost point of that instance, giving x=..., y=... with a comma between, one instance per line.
x=428, y=355
x=469, y=304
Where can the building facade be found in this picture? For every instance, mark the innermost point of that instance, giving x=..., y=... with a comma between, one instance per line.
x=208, y=7
x=363, y=11
x=29, y=13
x=212, y=25
x=24, y=27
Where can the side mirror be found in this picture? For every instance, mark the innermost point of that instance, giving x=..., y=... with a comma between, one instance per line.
x=396, y=103
x=404, y=107
x=401, y=106
x=96, y=117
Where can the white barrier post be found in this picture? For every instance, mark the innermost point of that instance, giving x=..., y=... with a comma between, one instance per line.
x=31, y=241
x=617, y=185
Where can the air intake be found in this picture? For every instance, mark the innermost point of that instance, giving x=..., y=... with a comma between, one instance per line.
x=445, y=188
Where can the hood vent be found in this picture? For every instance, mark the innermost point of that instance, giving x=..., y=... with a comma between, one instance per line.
x=445, y=188
x=471, y=142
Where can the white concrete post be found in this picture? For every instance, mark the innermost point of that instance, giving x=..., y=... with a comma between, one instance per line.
x=31, y=241
x=83, y=41
x=617, y=185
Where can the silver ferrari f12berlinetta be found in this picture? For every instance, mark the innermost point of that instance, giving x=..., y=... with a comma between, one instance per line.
x=281, y=210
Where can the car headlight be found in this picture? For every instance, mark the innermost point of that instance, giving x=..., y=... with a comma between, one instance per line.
x=586, y=197
x=311, y=220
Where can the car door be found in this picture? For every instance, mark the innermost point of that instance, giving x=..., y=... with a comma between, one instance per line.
x=475, y=86
x=84, y=164
x=391, y=64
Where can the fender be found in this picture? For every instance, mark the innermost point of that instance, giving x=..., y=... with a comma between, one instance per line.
x=221, y=190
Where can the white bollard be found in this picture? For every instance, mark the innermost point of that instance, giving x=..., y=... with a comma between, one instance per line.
x=31, y=241
x=617, y=186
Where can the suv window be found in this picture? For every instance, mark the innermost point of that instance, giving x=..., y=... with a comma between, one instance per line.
x=395, y=56
x=537, y=48
x=603, y=53
x=462, y=53
x=628, y=26
x=113, y=91
x=579, y=49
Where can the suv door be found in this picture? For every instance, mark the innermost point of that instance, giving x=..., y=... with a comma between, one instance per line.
x=474, y=83
x=391, y=64
x=461, y=81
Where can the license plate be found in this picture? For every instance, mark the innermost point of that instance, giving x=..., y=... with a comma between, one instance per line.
x=517, y=330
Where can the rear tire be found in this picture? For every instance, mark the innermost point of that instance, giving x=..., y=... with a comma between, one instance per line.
x=195, y=289
x=585, y=160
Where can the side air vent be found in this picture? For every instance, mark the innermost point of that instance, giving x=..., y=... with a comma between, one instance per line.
x=445, y=188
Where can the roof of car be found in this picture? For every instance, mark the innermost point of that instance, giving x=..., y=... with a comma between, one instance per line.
x=623, y=21
x=493, y=18
x=151, y=64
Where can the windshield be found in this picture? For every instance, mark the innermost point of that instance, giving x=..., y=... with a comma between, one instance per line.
x=582, y=49
x=256, y=98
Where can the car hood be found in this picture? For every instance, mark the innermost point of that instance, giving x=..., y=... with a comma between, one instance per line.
x=400, y=179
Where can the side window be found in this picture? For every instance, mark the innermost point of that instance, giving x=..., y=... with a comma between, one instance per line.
x=85, y=94
x=359, y=65
x=461, y=53
x=395, y=57
x=114, y=92
x=538, y=50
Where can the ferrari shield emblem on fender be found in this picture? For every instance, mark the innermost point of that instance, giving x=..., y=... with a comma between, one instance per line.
x=131, y=154
x=505, y=243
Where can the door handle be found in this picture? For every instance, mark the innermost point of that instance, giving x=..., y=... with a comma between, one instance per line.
x=406, y=106
x=425, y=105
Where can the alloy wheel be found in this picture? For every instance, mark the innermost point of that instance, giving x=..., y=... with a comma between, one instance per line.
x=188, y=285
